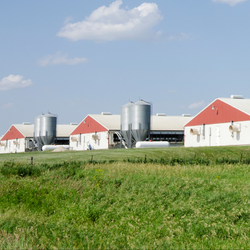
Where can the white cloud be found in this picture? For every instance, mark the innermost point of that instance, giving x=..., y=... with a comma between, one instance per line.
x=67, y=19
x=113, y=23
x=7, y=105
x=59, y=58
x=14, y=82
x=230, y=2
x=197, y=105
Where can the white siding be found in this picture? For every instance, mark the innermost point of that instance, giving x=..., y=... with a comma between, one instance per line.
x=218, y=135
x=14, y=146
x=90, y=140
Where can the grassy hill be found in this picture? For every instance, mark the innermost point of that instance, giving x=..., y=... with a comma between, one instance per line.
x=174, y=198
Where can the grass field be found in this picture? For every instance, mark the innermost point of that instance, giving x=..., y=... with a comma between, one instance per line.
x=210, y=153
x=174, y=198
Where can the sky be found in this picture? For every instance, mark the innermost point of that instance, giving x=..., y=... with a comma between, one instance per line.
x=80, y=57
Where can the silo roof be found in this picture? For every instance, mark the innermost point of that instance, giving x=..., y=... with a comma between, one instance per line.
x=141, y=102
x=128, y=104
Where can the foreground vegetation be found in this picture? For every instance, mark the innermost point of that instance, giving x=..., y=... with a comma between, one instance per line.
x=143, y=199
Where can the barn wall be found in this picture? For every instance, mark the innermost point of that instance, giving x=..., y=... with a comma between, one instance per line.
x=13, y=146
x=84, y=140
x=217, y=135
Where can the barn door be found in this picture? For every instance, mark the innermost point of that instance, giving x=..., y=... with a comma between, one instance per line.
x=217, y=134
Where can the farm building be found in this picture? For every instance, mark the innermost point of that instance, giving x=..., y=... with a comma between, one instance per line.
x=19, y=137
x=102, y=131
x=225, y=121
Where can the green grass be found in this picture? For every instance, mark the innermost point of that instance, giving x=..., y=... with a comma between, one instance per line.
x=118, y=199
x=209, y=153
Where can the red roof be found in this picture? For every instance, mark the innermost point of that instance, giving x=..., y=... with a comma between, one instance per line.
x=218, y=112
x=12, y=133
x=88, y=125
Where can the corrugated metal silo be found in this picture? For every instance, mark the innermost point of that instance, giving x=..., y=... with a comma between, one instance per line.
x=140, y=114
x=37, y=126
x=125, y=122
x=48, y=128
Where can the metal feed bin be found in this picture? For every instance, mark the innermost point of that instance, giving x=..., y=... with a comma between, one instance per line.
x=37, y=131
x=48, y=128
x=140, y=116
x=125, y=122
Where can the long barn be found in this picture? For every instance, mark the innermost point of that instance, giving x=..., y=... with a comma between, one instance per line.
x=20, y=137
x=225, y=121
x=102, y=131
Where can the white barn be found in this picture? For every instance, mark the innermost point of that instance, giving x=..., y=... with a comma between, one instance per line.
x=225, y=121
x=95, y=132
x=19, y=137
x=102, y=131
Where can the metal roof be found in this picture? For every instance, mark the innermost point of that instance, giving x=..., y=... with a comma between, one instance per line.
x=110, y=122
x=26, y=130
x=240, y=104
x=63, y=130
x=158, y=123
x=168, y=123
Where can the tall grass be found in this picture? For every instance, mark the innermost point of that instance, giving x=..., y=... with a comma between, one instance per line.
x=140, y=202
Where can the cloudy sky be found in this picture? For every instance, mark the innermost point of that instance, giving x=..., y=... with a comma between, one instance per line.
x=81, y=57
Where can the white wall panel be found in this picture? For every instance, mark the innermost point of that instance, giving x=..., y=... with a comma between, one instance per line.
x=218, y=135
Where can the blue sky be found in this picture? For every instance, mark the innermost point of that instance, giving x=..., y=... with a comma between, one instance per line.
x=81, y=57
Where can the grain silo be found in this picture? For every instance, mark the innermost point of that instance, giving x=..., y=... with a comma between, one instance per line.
x=135, y=121
x=37, y=131
x=126, y=123
x=45, y=129
x=48, y=128
x=140, y=114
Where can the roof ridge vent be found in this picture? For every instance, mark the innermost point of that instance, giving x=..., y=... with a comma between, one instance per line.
x=236, y=96
x=160, y=114
x=106, y=113
x=26, y=123
x=186, y=115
